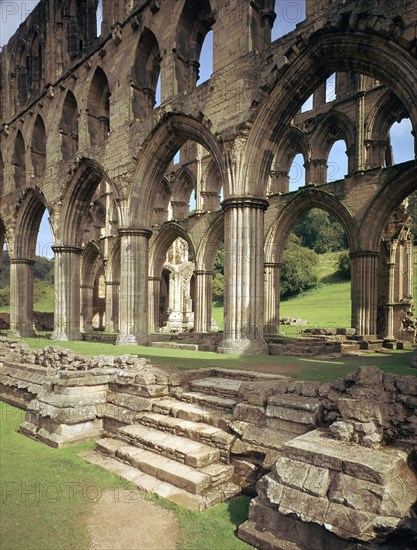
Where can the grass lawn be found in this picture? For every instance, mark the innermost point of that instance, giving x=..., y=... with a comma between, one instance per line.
x=325, y=370
x=47, y=495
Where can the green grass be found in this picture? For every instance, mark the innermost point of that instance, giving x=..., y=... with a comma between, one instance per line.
x=298, y=367
x=47, y=493
x=47, y=496
x=212, y=529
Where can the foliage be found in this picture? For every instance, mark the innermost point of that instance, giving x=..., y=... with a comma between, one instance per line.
x=321, y=232
x=43, y=270
x=219, y=260
x=297, y=273
x=218, y=286
x=343, y=265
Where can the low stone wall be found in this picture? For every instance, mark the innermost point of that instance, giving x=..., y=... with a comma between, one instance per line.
x=41, y=321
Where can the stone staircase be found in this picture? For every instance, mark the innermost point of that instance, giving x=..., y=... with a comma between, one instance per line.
x=180, y=448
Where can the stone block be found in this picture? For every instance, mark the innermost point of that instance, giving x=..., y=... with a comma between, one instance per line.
x=348, y=523
x=249, y=413
x=363, y=410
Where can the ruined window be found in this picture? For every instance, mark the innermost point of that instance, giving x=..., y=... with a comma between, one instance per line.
x=19, y=161
x=22, y=76
x=206, y=59
x=36, y=65
x=38, y=148
x=145, y=75
x=331, y=88
x=401, y=142
x=99, y=108
x=81, y=16
x=307, y=105
x=337, y=161
x=297, y=173
x=195, y=23
x=99, y=16
x=69, y=127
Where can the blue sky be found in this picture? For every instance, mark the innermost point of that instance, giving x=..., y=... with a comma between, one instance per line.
x=289, y=13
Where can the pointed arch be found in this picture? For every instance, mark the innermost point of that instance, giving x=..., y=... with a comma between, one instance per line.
x=145, y=74
x=29, y=214
x=397, y=189
x=300, y=203
x=209, y=244
x=326, y=52
x=160, y=244
x=1, y=175
x=69, y=127
x=22, y=71
x=76, y=201
x=38, y=148
x=19, y=161
x=91, y=261
x=196, y=20
x=388, y=109
x=98, y=105
x=334, y=126
x=158, y=150
x=36, y=68
x=184, y=184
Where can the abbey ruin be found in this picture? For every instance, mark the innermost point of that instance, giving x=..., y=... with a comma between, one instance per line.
x=86, y=138
x=81, y=137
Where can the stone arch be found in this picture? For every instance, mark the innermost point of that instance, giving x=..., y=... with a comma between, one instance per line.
x=388, y=110
x=159, y=248
x=22, y=71
x=209, y=244
x=333, y=127
x=182, y=188
x=29, y=213
x=19, y=161
x=195, y=22
x=326, y=52
x=145, y=74
x=36, y=68
x=158, y=150
x=91, y=263
x=1, y=175
x=393, y=194
x=293, y=142
x=79, y=194
x=38, y=148
x=98, y=106
x=302, y=202
x=69, y=127
x=211, y=185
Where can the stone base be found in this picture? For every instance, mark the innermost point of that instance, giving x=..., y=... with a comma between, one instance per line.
x=243, y=347
x=133, y=339
x=62, y=336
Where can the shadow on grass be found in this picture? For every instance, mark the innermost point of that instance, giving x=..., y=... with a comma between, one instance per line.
x=238, y=510
x=332, y=279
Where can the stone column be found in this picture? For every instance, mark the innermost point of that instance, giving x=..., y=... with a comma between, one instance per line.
x=133, y=322
x=244, y=276
x=67, y=293
x=364, y=291
x=316, y=171
x=112, y=306
x=272, y=298
x=154, y=284
x=203, y=299
x=389, y=309
x=87, y=301
x=360, y=125
x=21, y=297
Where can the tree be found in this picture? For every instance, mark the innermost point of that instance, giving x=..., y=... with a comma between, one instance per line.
x=343, y=265
x=218, y=286
x=321, y=232
x=297, y=272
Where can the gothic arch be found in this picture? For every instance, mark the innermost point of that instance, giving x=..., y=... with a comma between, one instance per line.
x=159, y=247
x=158, y=150
x=38, y=148
x=91, y=261
x=301, y=203
x=326, y=52
x=98, y=105
x=1, y=175
x=388, y=110
x=36, y=68
x=79, y=193
x=145, y=73
x=69, y=126
x=194, y=23
x=293, y=142
x=183, y=185
x=19, y=161
x=29, y=213
x=393, y=194
x=333, y=127
x=209, y=244
x=22, y=72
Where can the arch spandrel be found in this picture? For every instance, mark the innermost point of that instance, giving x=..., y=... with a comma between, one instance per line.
x=365, y=53
x=303, y=201
x=209, y=244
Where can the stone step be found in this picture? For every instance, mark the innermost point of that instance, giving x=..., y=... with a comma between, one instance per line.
x=192, y=411
x=223, y=387
x=293, y=413
x=185, y=477
x=196, y=431
x=149, y=483
x=178, y=448
x=249, y=533
x=213, y=401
